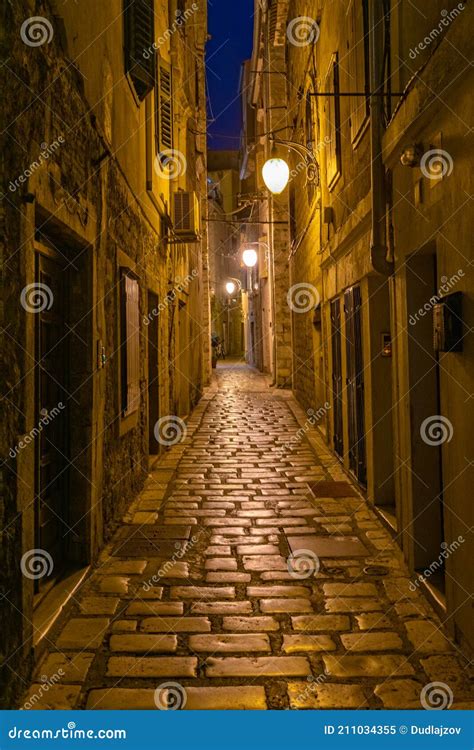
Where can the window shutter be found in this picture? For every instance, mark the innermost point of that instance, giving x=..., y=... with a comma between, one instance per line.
x=139, y=38
x=358, y=56
x=332, y=122
x=130, y=345
x=164, y=107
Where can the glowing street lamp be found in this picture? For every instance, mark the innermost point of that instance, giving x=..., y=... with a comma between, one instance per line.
x=276, y=172
x=230, y=287
x=250, y=257
x=276, y=175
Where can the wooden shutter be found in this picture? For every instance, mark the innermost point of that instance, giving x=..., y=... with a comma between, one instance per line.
x=130, y=344
x=139, y=37
x=355, y=383
x=333, y=124
x=358, y=66
x=164, y=107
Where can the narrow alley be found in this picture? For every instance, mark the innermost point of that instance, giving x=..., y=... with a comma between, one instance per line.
x=251, y=574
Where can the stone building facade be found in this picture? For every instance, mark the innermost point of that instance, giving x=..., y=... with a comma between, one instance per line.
x=105, y=283
x=380, y=96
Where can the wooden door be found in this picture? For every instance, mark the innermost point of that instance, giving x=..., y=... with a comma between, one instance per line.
x=337, y=376
x=51, y=506
x=153, y=372
x=355, y=383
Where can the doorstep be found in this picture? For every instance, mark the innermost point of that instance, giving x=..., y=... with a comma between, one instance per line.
x=52, y=605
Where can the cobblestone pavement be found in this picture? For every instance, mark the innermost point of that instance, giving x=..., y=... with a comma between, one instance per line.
x=241, y=619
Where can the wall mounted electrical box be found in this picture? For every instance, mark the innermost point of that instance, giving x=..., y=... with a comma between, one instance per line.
x=447, y=323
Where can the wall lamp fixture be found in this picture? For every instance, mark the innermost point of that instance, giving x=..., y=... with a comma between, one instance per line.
x=276, y=172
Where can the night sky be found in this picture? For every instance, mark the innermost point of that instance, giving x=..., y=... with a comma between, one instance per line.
x=231, y=28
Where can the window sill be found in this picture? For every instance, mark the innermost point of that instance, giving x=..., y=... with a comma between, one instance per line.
x=128, y=423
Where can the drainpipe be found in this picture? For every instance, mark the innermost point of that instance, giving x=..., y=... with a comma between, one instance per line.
x=379, y=246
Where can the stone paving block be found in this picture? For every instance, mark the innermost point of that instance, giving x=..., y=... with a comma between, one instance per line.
x=151, y=666
x=264, y=562
x=349, y=589
x=56, y=698
x=123, y=567
x=202, y=592
x=257, y=549
x=273, y=606
x=143, y=644
x=69, y=667
x=176, y=625
x=144, y=517
x=373, y=621
x=113, y=584
x=400, y=694
x=352, y=604
x=250, y=624
x=83, y=633
x=220, y=563
x=372, y=641
x=228, y=577
x=279, y=592
x=99, y=605
x=155, y=608
x=124, y=626
x=259, y=666
x=427, y=637
x=218, y=549
x=244, y=698
x=221, y=608
x=315, y=696
x=367, y=666
x=297, y=643
x=231, y=643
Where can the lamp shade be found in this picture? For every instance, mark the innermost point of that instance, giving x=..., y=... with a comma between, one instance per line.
x=276, y=173
x=250, y=257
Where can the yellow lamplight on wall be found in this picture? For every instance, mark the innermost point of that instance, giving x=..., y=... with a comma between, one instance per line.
x=276, y=175
x=250, y=257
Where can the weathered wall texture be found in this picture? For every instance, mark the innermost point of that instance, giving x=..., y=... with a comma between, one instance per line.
x=99, y=203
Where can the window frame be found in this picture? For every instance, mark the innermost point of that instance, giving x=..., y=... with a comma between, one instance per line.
x=129, y=346
x=140, y=73
x=332, y=115
x=359, y=62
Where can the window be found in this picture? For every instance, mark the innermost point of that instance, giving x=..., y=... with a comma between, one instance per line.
x=163, y=107
x=139, y=38
x=358, y=66
x=129, y=342
x=332, y=122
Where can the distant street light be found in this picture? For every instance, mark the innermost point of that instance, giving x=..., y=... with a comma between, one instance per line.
x=250, y=257
x=230, y=287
